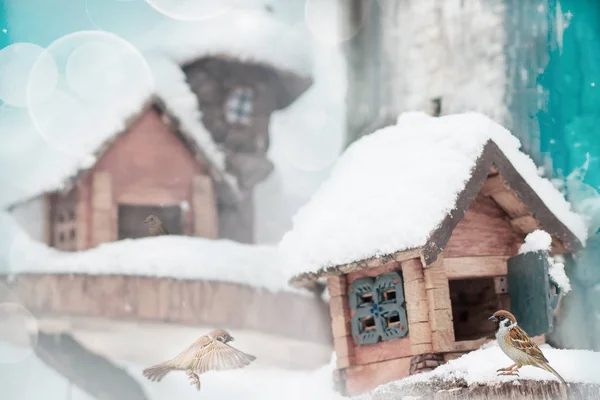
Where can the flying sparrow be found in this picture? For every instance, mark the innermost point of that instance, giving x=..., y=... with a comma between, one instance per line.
x=155, y=226
x=210, y=352
x=517, y=345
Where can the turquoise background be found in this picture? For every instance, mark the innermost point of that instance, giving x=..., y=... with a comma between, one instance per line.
x=569, y=121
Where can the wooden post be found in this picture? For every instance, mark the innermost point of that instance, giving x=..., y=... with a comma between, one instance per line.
x=419, y=330
x=440, y=306
x=47, y=216
x=102, y=208
x=206, y=222
x=81, y=213
x=339, y=309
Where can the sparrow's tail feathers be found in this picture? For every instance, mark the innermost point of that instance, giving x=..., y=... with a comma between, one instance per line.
x=553, y=371
x=157, y=372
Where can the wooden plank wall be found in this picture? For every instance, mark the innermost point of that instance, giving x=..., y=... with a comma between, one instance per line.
x=102, y=208
x=417, y=307
x=440, y=307
x=176, y=301
x=206, y=219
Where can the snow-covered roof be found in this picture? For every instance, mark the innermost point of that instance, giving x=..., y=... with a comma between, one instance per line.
x=390, y=190
x=177, y=257
x=54, y=171
x=249, y=34
x=479, y=367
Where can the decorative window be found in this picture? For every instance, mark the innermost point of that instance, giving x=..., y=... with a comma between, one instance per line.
x=239, y=107
x=379, y=309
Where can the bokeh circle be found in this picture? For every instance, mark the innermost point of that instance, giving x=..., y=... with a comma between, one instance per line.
x=194, y=10
x=102, y=81
x=16, y=62
x=313, y=147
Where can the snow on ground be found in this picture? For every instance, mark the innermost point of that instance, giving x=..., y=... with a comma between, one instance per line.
x=391, y=189
x=479, y=367
x=31, y=379
x=180, y=257
x=536, y=241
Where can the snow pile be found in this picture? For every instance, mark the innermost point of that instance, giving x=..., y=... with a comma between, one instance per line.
x=179, y=257
x=540, y=240
x=537, y=240
x=248, y=34
x=391, y=189
x=558, y=274
x=479, y=367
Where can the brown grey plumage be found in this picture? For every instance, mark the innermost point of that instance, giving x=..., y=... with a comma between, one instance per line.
x=210, y=353
x=155, y=226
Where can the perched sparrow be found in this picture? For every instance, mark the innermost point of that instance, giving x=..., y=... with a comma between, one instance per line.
x=517, y=345
x=155, y=226
x=210, y=352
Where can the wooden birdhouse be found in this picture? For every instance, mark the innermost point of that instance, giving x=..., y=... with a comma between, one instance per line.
x=417, y=234
x=190, y=154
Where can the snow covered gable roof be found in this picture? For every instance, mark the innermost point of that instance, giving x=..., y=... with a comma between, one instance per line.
x=171, y=95
x=247, y=33
x=405, y=187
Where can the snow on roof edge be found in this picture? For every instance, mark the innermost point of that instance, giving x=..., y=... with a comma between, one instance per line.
x=312, y=258
x=246, y=34
x=171, y=256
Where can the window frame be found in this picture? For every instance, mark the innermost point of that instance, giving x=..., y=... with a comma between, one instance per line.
x=239, y=107
x=366, y=299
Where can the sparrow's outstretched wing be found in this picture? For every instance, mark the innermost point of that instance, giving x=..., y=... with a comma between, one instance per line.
x=187, y=358
x=219, y=356
x=521, y=341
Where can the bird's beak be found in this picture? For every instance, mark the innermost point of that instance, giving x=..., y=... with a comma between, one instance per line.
x=493, y=318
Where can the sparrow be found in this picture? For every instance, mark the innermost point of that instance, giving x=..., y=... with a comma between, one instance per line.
x=155, y=226
x=517, y=345
x=209, y=353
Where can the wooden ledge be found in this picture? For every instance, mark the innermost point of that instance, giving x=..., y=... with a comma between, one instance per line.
x=164, y=300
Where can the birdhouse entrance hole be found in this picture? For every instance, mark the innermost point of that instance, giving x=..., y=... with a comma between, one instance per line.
x=365, y=298
x=389, y=295
x=473, y=301
x=368, y=324
x=131, y=220
x=393, y=320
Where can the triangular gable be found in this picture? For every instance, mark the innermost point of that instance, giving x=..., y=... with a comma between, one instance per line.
x=226, y=187
x=509, y=181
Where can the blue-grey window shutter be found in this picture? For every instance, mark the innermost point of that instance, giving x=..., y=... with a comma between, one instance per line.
x=379, y=309
x=533, y=294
